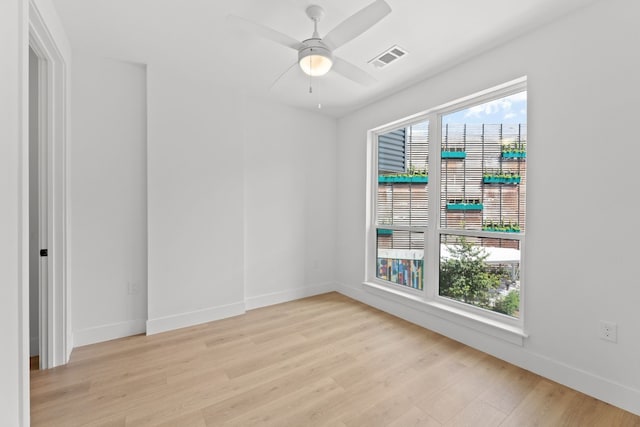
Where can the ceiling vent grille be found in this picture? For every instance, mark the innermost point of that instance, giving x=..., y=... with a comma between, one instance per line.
x=389, y=56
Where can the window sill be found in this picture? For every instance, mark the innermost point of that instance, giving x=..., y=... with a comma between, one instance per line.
x=510, y=333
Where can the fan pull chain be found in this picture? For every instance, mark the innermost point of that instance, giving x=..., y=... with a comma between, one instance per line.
x=311, y=86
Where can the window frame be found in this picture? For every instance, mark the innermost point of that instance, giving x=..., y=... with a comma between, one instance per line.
x=428, y=299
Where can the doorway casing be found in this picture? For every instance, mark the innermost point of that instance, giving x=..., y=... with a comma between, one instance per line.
x=54, y=307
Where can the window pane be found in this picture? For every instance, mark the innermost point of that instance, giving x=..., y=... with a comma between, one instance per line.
x=402, y=193
x=480, y=271
x=484, y=166
x=400, y=257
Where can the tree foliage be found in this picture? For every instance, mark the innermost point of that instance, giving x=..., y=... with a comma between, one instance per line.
x=509, y=304
x=465, y=276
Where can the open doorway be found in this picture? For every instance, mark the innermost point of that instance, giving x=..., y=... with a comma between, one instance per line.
x=34, y=215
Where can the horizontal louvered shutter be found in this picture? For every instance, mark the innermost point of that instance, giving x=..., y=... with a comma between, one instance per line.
x=462, y=178
x=392, y=151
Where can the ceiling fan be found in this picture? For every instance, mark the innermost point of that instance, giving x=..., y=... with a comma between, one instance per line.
x=315, y=54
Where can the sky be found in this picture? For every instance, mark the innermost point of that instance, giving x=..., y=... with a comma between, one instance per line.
x=511, y=109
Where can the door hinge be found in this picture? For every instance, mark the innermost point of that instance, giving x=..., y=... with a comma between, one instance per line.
x=44, y=252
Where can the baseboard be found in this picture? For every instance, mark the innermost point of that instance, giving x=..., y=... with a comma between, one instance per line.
x=585, y=382
x=601, y=388
x=108, y=332
x=69, y=347
x=289, y=295
x=183, y=320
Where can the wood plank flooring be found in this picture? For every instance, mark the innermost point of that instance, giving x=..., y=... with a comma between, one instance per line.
x=325, y=360
x=34, y=363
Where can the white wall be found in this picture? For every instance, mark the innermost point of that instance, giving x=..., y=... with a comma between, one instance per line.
x=580, y=250
x=14, y=326
x=290, y=187
x=195, y=200
x=219, y=240
x=108, y=199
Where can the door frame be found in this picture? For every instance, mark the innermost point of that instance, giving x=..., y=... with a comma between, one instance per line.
x=55, y=343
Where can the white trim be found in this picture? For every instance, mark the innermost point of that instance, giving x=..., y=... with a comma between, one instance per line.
x=608, y=391
x=183, y=320
x=593, y=385
x=288, y=295
x=45, y=201
x=53, y=132
x=462, y=317
x=109, y=332
x=496, y=92
x=22, y=104
x=70, y=343
x=432, y=239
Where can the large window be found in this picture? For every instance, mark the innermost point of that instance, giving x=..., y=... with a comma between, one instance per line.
x=448, y=205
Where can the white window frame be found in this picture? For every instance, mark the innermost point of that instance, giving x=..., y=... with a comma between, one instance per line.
x=428, y=300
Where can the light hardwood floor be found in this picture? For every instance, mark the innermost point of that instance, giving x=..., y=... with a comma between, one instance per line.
x=325, y=360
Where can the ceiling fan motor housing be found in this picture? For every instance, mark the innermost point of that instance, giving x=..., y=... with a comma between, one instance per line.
x=314, y=57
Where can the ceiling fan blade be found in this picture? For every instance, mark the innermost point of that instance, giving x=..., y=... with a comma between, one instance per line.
x=261, y=30
x=352, y=72
x=282, y=75
x=357, y=24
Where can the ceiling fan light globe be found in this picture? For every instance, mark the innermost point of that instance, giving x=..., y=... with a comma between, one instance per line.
x=316, y=65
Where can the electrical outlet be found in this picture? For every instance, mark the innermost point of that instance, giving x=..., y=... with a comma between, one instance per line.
x=608, y=331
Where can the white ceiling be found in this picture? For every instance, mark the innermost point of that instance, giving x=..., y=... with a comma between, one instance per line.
x=193, y=34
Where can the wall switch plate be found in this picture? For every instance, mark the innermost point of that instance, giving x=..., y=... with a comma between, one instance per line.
x=133, y=288
x=608, y=331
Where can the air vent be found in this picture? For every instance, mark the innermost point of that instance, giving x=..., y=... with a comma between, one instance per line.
x=387, y=57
